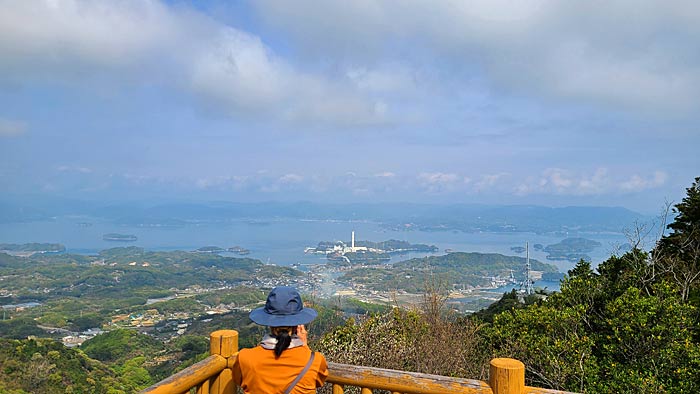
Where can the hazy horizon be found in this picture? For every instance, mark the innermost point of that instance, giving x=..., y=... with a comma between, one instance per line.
x=485, y=102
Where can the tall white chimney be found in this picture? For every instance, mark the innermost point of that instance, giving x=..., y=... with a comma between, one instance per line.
x=352, y=242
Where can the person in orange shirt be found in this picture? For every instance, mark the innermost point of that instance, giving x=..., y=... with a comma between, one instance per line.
x=283, y=362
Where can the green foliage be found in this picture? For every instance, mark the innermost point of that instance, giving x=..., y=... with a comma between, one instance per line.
x=46, y=366
x=410, y=341
x=192, y=345
x=120, y=273
x=552, y=342
x=19, y=328
x=632, y=326
x=86, y=321
x=117, y=346
x=134, y=375
x=355, y=306
x=646, y=341
x=394, y=245
x=679, y=251
x=240, y=295
x=508, y=302
x=183, y=304
x=606, y=332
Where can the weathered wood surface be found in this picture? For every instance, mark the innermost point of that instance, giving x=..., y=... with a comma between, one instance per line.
x=190, y=377
x=507, y=376
x=212, y=374
x=402, y=382
x=223, y=342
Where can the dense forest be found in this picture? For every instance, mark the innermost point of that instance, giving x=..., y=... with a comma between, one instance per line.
x=629, y=325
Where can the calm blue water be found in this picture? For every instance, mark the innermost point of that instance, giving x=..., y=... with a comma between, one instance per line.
x=283, y=241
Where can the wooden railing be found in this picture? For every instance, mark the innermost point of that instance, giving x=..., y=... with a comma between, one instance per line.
x=213, y=375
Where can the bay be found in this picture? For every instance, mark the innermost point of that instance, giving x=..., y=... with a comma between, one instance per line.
x=282, y=241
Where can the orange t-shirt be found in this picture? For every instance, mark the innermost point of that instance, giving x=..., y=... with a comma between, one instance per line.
x=258, y=372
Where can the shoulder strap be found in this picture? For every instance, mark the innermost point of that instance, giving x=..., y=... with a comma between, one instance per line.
x=301, y=374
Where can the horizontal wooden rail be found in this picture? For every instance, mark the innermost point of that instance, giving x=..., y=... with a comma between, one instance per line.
x=190, y=377
x=213, y=375
x=369, y=379
x=401, y=382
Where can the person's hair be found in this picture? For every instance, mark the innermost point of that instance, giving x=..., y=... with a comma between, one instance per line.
x=284, y=338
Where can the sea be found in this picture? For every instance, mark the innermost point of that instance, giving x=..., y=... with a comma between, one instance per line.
x=282, y=241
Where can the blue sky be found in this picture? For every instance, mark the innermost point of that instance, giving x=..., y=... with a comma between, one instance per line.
x=507, y=102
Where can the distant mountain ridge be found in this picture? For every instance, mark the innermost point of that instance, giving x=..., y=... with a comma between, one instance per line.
x=404, y=216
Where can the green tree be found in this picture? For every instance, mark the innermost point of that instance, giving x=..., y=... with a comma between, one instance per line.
x=679, y=251
x=134, y=375
x=647, y=342
x=116, y=346
x=617, y=330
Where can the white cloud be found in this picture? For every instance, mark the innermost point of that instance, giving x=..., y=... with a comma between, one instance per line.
x=565, y=182
x=385, y=174
x=78, y=169
x=291, y=178
x=436, y=182
x=236, y=70
x=147, y=42
x=598, y=183
x=52, y=37
x=637, y=183
x=578, y=51
x=490, y=181
x=11, y=128
x=558, y=178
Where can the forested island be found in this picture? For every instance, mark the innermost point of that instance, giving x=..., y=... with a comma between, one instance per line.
x=367, y=252
x=216, y=249
x=120, y=237
x=571, y=249
x=390, y=246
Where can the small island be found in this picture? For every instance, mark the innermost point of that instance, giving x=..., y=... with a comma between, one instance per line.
x=571, y=249
x=114, y=237
x=238, y=250
x=517, y=249
x=215, y=249
x=367, y=251
x=209, y=249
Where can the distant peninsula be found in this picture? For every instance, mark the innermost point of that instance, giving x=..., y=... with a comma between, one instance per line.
x=457, y=270
x=32, y=248
x=571, y=249
x=119, y=237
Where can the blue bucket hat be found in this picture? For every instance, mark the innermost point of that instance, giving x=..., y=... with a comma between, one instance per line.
x=283, y=308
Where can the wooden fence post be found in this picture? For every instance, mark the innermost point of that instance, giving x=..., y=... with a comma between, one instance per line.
x=225, y=344
x=507, y=376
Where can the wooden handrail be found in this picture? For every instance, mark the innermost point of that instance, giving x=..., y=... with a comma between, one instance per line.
x=401, y=381
x=213, y=375
x=190, y=377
